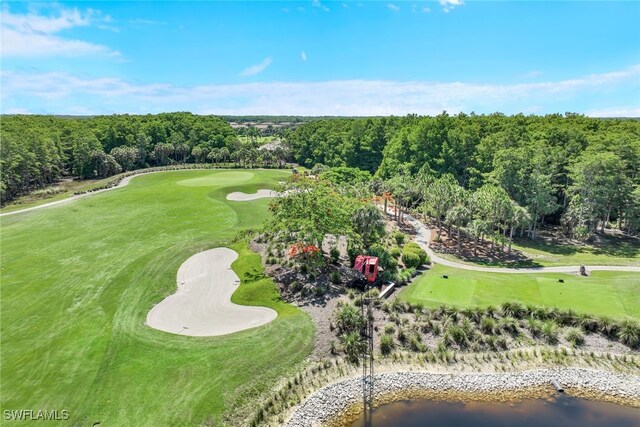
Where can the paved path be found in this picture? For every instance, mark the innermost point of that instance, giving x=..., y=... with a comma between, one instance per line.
x=201, y=306
x=423, y=235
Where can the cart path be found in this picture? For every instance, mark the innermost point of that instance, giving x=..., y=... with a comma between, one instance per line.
x=423, y=236
x=201, y=306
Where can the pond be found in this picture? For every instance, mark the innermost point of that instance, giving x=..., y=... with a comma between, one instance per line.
x=559, y=411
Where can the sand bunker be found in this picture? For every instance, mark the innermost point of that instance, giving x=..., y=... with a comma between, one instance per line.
x=239, y=196
x=202, y=307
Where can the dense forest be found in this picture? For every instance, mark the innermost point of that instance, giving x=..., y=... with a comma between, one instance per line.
x=39, y=150
x=580, y=172
x=572, y=170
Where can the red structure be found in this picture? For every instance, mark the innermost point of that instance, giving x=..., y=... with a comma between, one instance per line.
x=368, y=266
x=301, y=249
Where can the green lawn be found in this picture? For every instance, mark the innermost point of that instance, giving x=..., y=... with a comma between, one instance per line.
x=614, y=294
x=79, y=279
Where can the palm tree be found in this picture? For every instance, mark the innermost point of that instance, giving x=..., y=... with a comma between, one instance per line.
x=458, y=216
x=519, y=218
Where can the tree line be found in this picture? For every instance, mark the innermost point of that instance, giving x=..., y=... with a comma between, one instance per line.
x=571, y=170
x=37, y=151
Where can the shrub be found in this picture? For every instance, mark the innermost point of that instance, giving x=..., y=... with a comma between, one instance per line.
x=549, y=331
x=335, y=278
x=412, y=246
x=395, y=252
x=411, y=259
x=587, y=323
x=352, y=345
x=386, y=344
x=535, y=326
x=574, y=336
x=402, y=336
x=629, y=334
x=295, y=287
x=509, y=324
x=415, y=250
x=415, y=344
x=385, y=260
x=389, y=328
x=514, y=309
x=399, y=237
x=457, y=335
x=391, y=264
x=608, y=327
x=334, y=255
x=488, y=325
x=349, y=318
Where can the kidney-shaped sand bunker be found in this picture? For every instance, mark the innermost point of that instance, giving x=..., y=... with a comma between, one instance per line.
x=202, y=304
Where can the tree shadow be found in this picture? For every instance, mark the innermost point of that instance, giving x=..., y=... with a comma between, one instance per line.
x=612, y=243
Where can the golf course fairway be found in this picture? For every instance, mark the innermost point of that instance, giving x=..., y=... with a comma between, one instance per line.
x=604, y=293
x=79, y=279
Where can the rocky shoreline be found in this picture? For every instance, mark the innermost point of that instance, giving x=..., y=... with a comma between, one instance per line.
x=338, y=403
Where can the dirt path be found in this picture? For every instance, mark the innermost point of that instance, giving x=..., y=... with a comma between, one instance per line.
x=423, y=237
x=202, y=307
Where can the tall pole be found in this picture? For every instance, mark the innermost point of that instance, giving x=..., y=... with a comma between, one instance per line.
x=367, y=355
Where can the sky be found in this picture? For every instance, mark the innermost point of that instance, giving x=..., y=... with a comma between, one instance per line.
x=321, y=57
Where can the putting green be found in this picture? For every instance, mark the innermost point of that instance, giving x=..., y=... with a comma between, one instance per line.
x=609, y=293
x=218, y=179
x=79, y=279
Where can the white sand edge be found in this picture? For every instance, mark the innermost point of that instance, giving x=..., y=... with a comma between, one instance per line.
x=202, y=307
x=239, y=196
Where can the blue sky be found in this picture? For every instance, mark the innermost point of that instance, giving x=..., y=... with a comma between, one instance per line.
x=321, y=58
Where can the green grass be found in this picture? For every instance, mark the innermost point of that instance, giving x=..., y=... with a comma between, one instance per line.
x=68, y=188
x=78, y=281
x=615, y=294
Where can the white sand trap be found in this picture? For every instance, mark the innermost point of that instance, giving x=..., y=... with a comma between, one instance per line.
x=239, y=196
x=202, y=307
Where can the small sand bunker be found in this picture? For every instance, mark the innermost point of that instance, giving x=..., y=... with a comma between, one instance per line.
x=202, y=307
x=239, y=196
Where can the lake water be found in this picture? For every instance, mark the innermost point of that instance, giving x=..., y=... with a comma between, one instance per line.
x=562, y=411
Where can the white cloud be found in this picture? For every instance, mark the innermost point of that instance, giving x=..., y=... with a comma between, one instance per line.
x=318, y=4
x=532, y=74
x=448, y=5
x=393, y=7
x=346, y=6
x=285, y=10
x=58, y=93
x=33, y=34
x=258, y=68
x=426, y=10
x=303, y=55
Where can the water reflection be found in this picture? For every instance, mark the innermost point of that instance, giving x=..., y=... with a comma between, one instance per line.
x=562, y=411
